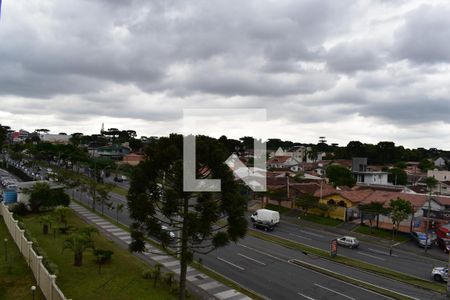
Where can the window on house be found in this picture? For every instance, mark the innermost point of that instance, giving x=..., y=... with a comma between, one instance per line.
x=342, y=203
x=331, y=202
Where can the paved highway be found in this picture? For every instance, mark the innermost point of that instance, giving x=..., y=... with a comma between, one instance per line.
x=266, y=268
x=402, y=261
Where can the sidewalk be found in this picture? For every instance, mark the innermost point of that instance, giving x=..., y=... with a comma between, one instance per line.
x=208, y=287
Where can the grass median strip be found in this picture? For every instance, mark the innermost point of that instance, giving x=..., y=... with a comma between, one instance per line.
x=399, y=276
x=360, y=283
x=120, y=191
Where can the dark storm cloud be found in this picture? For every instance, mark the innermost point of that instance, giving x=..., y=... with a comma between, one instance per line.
x=425, y=35
x=349, y=57
x=305, y=61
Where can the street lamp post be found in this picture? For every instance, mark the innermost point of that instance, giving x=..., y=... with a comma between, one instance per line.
x=6, y=249
x=33, y=290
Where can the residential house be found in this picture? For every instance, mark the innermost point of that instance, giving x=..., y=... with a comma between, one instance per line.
x=343, y=205
x=363, y=175
x=19, y=136
x=115, y=152
x=282, y=162
x=440, y=162
x=418, y=201
x=443, y=178
x=133, y=159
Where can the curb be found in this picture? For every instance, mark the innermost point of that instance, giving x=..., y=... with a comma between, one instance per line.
x=363, y=284
x=324, y=254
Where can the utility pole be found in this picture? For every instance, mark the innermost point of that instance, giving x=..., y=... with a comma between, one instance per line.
x=428, y=222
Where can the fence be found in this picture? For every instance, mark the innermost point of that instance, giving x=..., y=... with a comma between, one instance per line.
x=44, y=279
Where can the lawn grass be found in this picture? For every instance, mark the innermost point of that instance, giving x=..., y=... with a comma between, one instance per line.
x=119, y=279
x=380, y=233
x=388, y=273
x=16, y=282
x=321, y=220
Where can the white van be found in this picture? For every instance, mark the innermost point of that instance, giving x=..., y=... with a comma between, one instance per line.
x=266, y=216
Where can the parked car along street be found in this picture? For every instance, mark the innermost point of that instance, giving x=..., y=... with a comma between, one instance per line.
x=421, y=239
x=443, y=244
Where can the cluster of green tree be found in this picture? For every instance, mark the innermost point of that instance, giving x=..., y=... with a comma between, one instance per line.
x=43, y=197
x=387, y=153
x=340, y=176
x=3, y=135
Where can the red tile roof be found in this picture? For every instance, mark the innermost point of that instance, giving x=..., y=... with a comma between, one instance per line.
x=416, y=200
x=278, y=160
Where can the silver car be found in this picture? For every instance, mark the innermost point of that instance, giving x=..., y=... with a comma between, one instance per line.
x=348, y=241
x=440, y=274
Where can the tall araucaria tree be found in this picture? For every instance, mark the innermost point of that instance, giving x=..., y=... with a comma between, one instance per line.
x=202, y=221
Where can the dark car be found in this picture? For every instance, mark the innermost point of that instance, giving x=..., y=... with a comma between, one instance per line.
x=118, y=179
x=443, y=244
x=267, y=226
x=421, y=239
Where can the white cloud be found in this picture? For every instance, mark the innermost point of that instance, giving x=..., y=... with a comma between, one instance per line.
x=368, y=70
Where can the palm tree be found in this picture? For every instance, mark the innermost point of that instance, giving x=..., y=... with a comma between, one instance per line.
x=46, y=222
x=103, y=195
x=156, y=273
x=78, y=242
x=62, y=212
x=119, y=208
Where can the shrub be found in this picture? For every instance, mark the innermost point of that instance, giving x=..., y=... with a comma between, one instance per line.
x=169, y=278
x=20, y=209
x=103, y=256
x=147, y=274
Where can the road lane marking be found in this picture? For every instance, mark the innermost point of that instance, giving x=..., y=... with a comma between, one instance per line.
x=381, y=252
x=252, y=259
x=373, y=256
x=306, y=297
x=313, y=234
x=348, y=283
x=263, y=253
x=230, y=263
x=333, y=291
x=302, y=237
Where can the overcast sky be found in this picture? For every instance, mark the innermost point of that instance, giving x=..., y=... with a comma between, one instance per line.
x=347, y=70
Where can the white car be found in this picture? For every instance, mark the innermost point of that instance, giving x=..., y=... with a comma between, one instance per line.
x=348, y=241
x=440, y=274
x=170, y=233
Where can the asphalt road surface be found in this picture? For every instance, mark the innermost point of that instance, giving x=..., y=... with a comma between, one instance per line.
x=267, y=268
